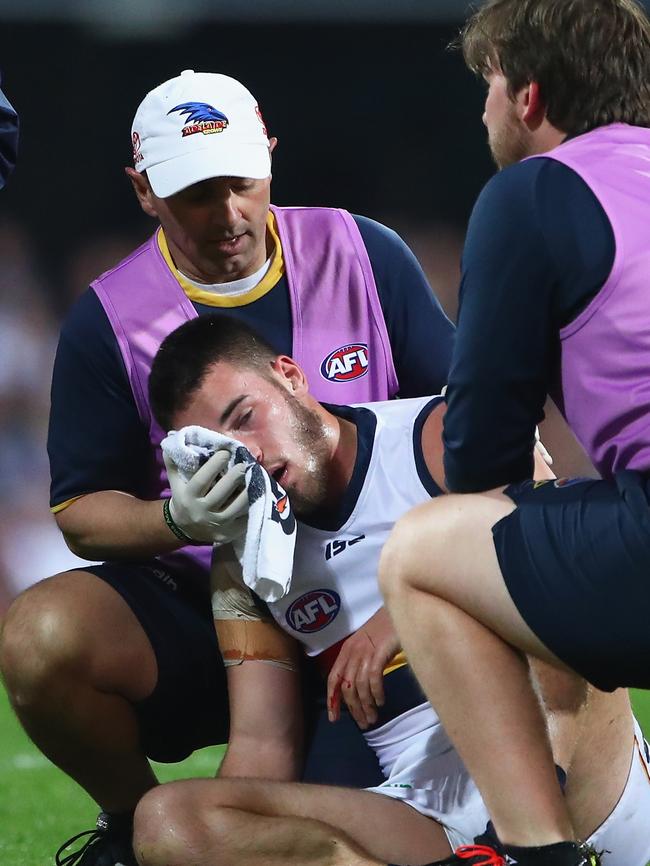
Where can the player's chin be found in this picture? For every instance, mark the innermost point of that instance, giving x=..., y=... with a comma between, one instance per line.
x=302, y=506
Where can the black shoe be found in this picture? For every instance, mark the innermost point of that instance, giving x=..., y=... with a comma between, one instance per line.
x=560, y=854
x=110, y=844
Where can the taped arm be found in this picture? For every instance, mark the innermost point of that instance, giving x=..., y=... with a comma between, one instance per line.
x=264, y=683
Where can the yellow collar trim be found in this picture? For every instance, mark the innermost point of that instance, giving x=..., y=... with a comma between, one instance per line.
x=214, y=299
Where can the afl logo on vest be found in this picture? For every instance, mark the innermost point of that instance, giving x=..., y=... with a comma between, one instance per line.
x=346, y=363
x=314, y=610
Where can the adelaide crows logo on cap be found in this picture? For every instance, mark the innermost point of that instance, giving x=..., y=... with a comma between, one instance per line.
x=346, y=363
x=313, y=611
x=201, y=117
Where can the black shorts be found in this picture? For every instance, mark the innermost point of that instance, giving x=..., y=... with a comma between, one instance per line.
x=575, y=557
x=188, y=709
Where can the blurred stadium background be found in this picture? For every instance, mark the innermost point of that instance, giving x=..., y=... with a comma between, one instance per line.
x=372, y=114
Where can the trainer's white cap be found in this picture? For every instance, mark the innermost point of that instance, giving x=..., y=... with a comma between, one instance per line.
x=197, y=126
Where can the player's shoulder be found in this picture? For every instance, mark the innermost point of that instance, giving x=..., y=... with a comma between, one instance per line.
x=414, y=426
x=402, y=410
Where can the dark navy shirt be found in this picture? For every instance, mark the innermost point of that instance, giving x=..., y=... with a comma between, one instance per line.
x=539, y=247
x=96, y=440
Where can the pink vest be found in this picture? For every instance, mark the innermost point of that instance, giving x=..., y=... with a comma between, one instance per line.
x=606, y=348
x=339, y=334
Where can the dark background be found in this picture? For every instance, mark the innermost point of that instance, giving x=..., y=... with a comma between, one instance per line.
x=376, y=117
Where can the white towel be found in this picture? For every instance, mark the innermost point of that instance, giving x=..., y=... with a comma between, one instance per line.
x=266, y=551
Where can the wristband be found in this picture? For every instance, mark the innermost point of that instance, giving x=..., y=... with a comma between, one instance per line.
x=178, y=532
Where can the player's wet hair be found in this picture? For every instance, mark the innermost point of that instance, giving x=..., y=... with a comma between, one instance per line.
x=187, y=354
x=590, y=58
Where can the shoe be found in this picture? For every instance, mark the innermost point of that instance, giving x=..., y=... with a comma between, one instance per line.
x=110, y=844
x=474, y=855
x=560, y=854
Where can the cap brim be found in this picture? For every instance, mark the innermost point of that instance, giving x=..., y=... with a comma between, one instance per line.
x=173, y=175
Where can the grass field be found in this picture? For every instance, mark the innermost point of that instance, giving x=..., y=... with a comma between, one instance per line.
x=40, y=807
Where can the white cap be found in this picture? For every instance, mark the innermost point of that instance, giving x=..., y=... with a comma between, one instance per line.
x=197, y=126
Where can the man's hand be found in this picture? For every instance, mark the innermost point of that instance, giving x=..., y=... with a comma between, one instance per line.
x=206, y=509
x=357, y=673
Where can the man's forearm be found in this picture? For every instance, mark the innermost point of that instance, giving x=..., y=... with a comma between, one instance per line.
x=256, y=759
x=114, y=525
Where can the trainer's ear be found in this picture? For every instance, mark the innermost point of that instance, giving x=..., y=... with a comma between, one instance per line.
x=530, y=105
x=142, y=190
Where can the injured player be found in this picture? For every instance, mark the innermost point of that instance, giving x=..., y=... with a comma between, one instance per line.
x=350, y=473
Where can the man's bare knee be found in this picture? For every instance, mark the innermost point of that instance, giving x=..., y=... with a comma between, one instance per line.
x=152, y=825
x=167, y=826
x=37, y=638
x=60, y=629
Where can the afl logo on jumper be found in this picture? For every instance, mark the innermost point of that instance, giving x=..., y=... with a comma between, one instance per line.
x=346, y=363
x=314, y=610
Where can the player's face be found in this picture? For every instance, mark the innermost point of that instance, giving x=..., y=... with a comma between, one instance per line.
x=216, y=229
x=507, y=135
x=286, y=436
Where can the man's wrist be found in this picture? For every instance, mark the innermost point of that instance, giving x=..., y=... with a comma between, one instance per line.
x=174, y=527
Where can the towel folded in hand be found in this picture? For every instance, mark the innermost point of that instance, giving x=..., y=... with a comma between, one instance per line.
x=266, y=551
